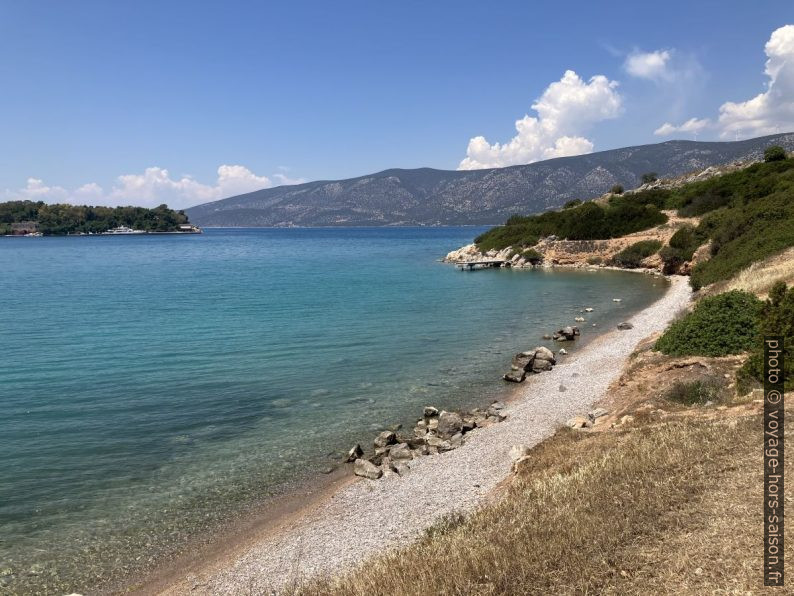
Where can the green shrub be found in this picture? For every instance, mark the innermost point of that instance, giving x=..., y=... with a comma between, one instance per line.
x=532, y=256
x=616, y=190
x=572, y=203
x=632, y=256
x=594, y=260
x=589, y=221
x=649, y=177
x=719, y=325
x=696, y=392
x=774, y=153
x=681, y=248
x=776, y=318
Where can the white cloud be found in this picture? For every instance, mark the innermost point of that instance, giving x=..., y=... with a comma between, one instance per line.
x=566, y=109
x=693, y=125
x=772, y=110
x=768, y=112
x=153, y=187
x=654, y=66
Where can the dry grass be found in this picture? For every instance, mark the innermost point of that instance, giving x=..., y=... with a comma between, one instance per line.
x=759, y=277
x=617, y=512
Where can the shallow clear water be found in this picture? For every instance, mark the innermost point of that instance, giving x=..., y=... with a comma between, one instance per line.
x=152, y=385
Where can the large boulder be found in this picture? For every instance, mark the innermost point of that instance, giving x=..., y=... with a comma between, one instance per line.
x=539, y=366
x=401, y=451
x=449, y=424
x=566, y=334
x=366, y=469
x=523, y=361
x=543, y=353
x=387, y=437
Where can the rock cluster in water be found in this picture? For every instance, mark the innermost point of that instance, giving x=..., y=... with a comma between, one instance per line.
x=436, y=432
x=537, y=360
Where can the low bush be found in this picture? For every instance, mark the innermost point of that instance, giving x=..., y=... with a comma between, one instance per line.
x=696, y=392
x=719, y=325
x=776, y=318
x=681, y=248
x=532, y=256
x=623, y=215
x=632, y=256
x=616, y=190
x=572, y=203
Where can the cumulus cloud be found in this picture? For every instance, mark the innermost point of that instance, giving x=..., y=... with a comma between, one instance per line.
x=772, y=110
x=693, y=125
x=654, y=66
x=768, y=112
x=153, y=187
x=566, y=109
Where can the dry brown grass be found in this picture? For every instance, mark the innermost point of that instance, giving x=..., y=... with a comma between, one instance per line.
x=759, y=277
x=671, y=508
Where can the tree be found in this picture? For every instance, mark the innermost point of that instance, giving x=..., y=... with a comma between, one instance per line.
x=649, y=177
x=774, y=153
x=616, y=190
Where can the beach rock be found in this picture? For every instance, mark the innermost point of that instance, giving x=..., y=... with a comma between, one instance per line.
x=539, y=366
x=627, y=419
x=387, y=437
x=522, y=361
x=495, y=411
x=518, y=451
x=563, y=352
x=515, y=375
x=355, y=453
x=381, y=451
x=543, y=353
x=566, y=334
x=578, y=423
x=597, y=413
x=432, y=424
x=588, y=309
x=439, y=444
x=430, y=412
x=469, y=424
x=401, y=451
x=456, y=440
x=366, y=469
x=579, y=319
x=563, y=388
x=625, y=326
x=400, y=467
x=449, y=424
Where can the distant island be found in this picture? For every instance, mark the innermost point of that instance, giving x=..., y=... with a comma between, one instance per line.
x=29, y=218
x=430, y=197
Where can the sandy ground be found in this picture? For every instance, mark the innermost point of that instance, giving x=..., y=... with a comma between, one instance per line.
x=367, y=517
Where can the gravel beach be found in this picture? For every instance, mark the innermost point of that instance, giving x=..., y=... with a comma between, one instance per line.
x=367, y=517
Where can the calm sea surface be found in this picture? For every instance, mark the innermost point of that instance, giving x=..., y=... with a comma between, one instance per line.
x=151, y=386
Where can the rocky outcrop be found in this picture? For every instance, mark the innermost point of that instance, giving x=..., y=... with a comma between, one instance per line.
x=435, y=432
x=537, y=360
x=566, y=334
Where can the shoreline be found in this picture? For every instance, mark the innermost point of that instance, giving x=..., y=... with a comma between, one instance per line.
x=344, y=520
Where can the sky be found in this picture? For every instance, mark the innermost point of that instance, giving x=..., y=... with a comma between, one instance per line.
x=174, y=102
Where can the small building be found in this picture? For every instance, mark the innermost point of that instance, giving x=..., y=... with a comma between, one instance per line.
x=24, y=227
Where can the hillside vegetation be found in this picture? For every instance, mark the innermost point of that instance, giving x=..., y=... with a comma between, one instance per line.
x=744, y=216
x=73, y=219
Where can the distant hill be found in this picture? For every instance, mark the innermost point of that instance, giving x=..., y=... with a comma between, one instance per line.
x=425, y=196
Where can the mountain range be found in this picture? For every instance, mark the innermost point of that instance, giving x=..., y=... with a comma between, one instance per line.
x=426, y=196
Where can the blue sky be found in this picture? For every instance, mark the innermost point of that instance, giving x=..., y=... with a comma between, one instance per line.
x=143, y=102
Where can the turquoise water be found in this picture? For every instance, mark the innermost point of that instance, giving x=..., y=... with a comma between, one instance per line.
x=152, y=386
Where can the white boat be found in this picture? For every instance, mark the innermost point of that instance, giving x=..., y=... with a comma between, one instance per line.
x=124, y=230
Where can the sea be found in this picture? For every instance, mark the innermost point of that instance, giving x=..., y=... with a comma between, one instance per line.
x=152, y=387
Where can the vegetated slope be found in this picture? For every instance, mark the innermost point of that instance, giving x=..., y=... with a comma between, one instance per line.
x=427, y=196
